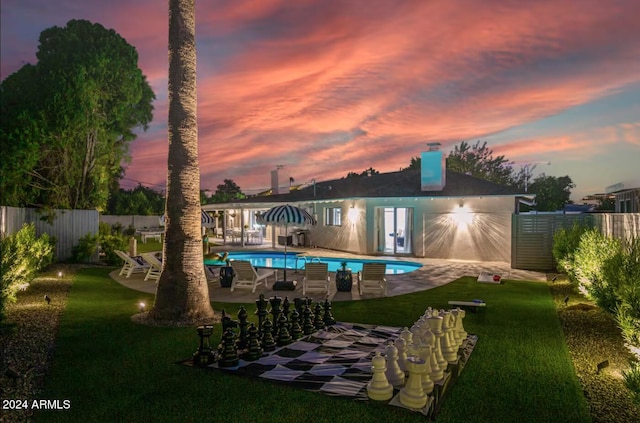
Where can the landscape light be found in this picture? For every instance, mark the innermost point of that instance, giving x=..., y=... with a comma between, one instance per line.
x=60, y=274
x=142, y=306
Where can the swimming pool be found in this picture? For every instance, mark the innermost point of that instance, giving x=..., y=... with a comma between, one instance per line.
x=297, y=261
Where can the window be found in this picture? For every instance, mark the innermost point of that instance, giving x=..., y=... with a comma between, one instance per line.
x=333, y=216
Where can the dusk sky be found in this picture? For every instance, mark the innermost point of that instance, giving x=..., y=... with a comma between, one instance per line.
x=325, y=87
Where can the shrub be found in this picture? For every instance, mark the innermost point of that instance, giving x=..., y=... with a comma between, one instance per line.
x=22, y=256
x=622, y=271
x=565, y=244
x=632, y=380
x=86, y=249
x=593, y=252
x=108, y=245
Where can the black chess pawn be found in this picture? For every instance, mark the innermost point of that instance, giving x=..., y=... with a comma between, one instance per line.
x=307, y=321
x=268, y=343
x=296, y=329
x=284, y=337
x=254, y=351
x=243, y=325
x=275, y=312
x=229, y=354
x=318, y=323
x=261, y=311
x=328, y=317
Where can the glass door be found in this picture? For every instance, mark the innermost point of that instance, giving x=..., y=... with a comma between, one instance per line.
x=395, y=229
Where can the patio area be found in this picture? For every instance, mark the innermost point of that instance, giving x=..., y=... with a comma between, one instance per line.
x=433, y=273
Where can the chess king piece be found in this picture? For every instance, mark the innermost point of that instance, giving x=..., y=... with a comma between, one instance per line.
x=243, y=324
x=254, y=351
x=394, y=373
x=328, y=317
x=412, y=395
x=229, y=356
x=379, y=388
x=261, y=311
x=268, y=343
x=275, y=312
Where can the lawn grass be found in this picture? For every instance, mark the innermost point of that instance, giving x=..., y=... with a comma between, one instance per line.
x=115, y=370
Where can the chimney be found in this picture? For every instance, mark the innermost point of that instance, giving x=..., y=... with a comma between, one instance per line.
x=275, y=186
x=433, y=169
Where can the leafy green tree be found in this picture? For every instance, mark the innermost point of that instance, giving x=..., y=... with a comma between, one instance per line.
x=227, y=191
x=182, y=294
x=478, y=160
x=552, y=193
x=366, y=172
x=415, y=163
x=68, y=120
x=606, y=204
x=139, y=201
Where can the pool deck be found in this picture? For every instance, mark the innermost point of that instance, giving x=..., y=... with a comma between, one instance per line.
x=433, y=273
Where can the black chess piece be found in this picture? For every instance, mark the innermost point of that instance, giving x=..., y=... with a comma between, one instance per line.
x=328, y=317
x=243, y=325
x=227, y=322
x=268, y=343
x=318, y=323
x=284, y=337
x=254, y=351
x=307, y=321
x=261, y=311
x=299, y=304
x=204, y=355
x=275, y=312
x=296, y=329
x=229, y=354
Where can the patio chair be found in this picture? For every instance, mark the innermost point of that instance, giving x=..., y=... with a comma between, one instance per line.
x=155, y=266
x=131, y=264
x=248, y=277
x=371, y=278
x=316, y=278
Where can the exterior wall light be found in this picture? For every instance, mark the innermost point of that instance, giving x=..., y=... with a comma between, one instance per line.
x=352, y=214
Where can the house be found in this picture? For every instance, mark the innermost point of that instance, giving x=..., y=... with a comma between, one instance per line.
x=429, y=212
x=627, y=196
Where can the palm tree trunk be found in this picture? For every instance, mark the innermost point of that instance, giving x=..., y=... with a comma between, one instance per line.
x=182, y=295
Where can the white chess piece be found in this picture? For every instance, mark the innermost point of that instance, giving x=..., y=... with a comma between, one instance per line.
x=379, y=388
x=449, y=351
x=401, y=345
x=437, y=373
x=425, y=355
x=412, y=395
x=395, y=375
x=435, y=323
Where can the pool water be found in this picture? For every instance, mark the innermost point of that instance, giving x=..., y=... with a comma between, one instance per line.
x=297, y=261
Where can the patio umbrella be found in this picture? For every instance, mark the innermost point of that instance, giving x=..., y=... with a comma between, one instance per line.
x=287, y=215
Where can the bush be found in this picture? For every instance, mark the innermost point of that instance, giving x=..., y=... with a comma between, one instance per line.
x=22, y=256
x=108, y=245
x=594, y=250
x=565, y=244
x=632, y=380
x=622, y=272
x=86, y=249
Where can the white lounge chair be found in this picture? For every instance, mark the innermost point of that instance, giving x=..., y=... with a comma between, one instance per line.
x=371, y=278
x=131, y=264
x=316, y=278
x=155, y=266
x=248, y=277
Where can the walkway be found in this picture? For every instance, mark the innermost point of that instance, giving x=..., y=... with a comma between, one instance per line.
x=433, y=273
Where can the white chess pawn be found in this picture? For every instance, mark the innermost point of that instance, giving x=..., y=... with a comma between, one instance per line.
x=412, y=395
x=407, y=336
x=379, y=388
x=401, y=346
x=395, y=375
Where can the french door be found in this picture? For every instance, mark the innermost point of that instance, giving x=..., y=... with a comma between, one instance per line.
x=395, y=229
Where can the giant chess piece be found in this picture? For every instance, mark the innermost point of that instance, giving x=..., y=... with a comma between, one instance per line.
x=407, y=336
x=379, y=388
x=435, y=324
x=268, y=343
x=401, y=346
x=449, y=351
x=394, y=373
x=227, y=322
x=284, y=337
x=229, y=355
x=204, y=355
x=254, y=351
x=318, y=323
x=275, y=312
x=307, y=321
x=243, y=325
x=412, y=395
x=424, y=352
x=462, y=334
x=286, y=305
x=296, y=329
x=436, y=373
x=261, y=311
x=328, y=317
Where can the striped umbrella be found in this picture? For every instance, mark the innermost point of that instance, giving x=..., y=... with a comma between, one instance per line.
x=287, y=215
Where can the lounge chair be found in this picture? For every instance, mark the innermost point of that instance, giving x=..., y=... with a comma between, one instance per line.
x=371, y=278
x=131, y=264
x=248, y=277
x=155, y=266
x=316, y=278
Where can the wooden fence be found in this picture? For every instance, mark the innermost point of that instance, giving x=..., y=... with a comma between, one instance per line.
x=532, y=234
x=67, y=227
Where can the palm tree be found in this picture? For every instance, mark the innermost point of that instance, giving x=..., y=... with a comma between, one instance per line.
x=182, y=295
